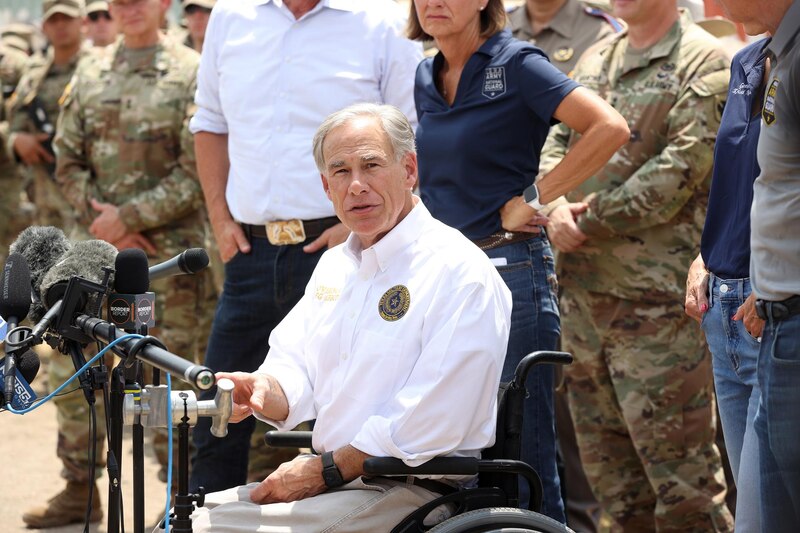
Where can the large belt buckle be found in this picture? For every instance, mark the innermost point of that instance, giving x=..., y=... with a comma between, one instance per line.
x=285, y=232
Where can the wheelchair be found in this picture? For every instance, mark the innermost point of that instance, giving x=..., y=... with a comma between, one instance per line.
x=491, y=506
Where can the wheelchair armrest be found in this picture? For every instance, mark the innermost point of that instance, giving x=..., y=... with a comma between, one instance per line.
x=390, y=466
x=288, y=439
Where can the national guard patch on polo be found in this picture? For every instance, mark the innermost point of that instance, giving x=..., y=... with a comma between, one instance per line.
x=494, y=82
x=768, y=113
x=394, y=303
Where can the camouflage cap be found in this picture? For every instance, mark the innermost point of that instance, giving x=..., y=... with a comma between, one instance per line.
x=208, y=4
x=96, y=5
x=70, y=8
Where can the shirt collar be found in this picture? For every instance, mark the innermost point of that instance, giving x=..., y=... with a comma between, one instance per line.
x=754, y=60
x=494, y=45
x=341, y=5
x=787, y=31
x=403, y=234
x=564, y=20
x=562, y=23
x=664, y=47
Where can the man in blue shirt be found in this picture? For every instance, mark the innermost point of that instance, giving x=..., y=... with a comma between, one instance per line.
x=718, y=292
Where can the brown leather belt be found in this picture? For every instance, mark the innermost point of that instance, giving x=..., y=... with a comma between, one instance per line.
x=501, y=238
x=286, y=232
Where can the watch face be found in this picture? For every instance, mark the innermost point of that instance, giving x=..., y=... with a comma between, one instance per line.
x=530, y=194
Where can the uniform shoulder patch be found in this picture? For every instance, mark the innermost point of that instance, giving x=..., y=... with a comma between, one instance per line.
x=394, y=303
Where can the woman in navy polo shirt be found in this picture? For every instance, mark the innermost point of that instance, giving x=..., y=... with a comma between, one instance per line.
x=485, y=104
x=718, y=291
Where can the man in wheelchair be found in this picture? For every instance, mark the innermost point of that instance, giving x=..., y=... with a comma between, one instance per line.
x=395, y=349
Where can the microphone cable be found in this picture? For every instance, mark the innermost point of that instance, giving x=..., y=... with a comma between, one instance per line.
x=61, y=387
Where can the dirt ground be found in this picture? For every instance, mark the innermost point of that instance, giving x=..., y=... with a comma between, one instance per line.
x=31, y=471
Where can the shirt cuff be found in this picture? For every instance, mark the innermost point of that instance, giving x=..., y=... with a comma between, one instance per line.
x=129, y=216
x=375, y=439
x=207, y=120
x=589, y=224
x=296, y=397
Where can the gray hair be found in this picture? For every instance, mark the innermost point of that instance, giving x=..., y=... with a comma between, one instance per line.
x=394, y=123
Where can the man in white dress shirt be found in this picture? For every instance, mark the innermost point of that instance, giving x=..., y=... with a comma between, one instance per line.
x=270, y=72
x=395, y=348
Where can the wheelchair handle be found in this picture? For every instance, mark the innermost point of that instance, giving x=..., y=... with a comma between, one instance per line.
x=535, y=358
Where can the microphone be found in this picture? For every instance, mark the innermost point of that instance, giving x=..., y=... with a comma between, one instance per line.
x=42, y=247
x=190, y=261
x=15, y=302
x=86, y=260
x=28, y=367
x=198, y=376
x=131, y=307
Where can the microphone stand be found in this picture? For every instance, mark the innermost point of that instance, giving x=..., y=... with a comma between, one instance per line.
x=130, y=403
x=125, y=380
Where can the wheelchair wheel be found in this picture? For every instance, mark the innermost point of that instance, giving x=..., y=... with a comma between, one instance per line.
x=500, y=519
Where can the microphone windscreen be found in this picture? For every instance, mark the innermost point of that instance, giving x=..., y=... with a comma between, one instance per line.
x=28, y=365
x=131, y=276
x=15, y=288
x=42, y=247
x=85, y=259
x=194, y=260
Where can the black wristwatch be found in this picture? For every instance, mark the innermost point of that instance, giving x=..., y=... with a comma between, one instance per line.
x=330, y=472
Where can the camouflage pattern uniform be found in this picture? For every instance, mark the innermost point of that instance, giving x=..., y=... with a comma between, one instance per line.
x=41, y=86
x=12, y=63
x=123, y=138
x=641, y=388
x=568, y=35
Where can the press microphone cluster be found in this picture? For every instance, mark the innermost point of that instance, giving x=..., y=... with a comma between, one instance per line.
x=68, y=282
x=15, y=303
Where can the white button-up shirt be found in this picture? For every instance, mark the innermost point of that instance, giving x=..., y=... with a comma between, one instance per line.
x=416, y=387
x=268, y=80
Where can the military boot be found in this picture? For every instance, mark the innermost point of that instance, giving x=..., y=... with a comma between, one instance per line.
x=66, y=507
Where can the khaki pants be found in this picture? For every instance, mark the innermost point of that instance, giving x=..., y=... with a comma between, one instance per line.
x=363, y=505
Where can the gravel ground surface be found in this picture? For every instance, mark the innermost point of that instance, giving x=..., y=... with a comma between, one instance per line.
x=31, y=471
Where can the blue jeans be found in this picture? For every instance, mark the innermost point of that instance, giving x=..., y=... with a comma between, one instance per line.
x=735, y=360
x=778, y=425
x=260, y=289
x=535, y=325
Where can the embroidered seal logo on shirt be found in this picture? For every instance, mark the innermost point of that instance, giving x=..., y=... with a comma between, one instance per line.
x=394, y=303
x=768, y=113
x=494, y=82
x=563, y=54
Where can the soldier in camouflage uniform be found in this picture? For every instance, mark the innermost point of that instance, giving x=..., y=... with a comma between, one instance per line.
x=33, y=110
x=126, y=165
x=12, y=63
x=196, y=13
x=640, y=389
x=564, y=30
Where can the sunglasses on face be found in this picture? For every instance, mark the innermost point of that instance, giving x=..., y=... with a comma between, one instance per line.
x=191, y=9
x=94, y=16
